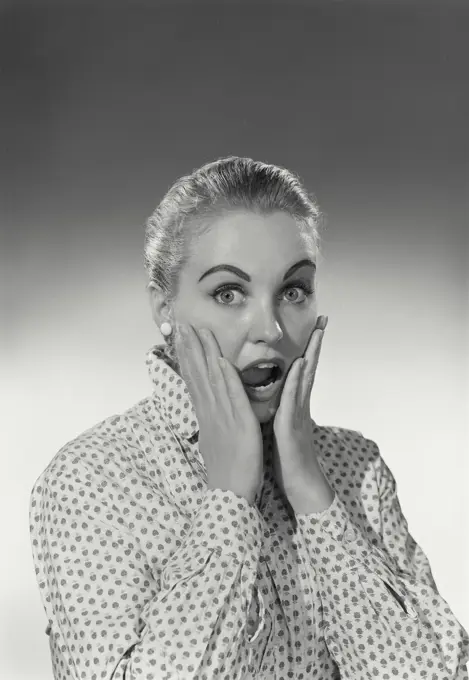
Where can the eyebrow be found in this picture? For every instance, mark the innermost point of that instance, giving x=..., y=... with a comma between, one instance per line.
x=239, y=272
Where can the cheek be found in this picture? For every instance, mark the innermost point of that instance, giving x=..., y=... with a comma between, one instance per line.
x=301, y=341
x=226, y=342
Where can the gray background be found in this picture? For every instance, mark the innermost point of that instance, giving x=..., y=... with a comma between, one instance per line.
x=104, y=105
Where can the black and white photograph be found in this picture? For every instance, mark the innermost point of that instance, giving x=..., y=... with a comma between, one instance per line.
x=235, y=347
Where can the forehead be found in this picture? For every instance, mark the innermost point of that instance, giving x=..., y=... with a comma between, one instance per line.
x=251, y=240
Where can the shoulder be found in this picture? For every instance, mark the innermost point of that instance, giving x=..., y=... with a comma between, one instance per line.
x=354, y=468
x=344, y=444
x=105, y=450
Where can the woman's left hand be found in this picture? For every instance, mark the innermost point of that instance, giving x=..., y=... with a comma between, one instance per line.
x=295, y=464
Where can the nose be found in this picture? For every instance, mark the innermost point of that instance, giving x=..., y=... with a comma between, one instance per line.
x=266, y=328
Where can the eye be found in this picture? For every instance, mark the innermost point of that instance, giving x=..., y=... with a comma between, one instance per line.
x=227, y=288
x=306, y=289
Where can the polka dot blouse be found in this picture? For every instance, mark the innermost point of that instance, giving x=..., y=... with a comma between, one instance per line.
x=145, y=574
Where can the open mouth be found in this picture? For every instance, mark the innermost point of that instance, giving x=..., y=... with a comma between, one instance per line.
x=265, y=384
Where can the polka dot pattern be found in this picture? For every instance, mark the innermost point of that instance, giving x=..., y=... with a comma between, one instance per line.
x=144, y=573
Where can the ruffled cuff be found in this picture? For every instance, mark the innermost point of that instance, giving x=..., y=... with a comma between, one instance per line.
x=227, y=523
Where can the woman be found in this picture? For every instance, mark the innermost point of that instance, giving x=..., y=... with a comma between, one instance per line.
x=214, y=530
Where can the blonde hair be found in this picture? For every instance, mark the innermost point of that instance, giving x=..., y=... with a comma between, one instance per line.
x=231, y=183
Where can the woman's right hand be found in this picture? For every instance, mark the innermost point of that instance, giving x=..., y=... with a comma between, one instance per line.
x=230, y=438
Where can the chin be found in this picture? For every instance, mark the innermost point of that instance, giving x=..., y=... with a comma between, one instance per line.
x=264, y=411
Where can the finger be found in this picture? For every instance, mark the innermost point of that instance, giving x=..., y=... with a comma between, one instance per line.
x=179, y=344
x=179, y=340
x=309, y=372
x=311, y=357
x=288, y=402
x=215, y=372
x=313, y=354
x=199, y=363
x=212, y=381
x=312, y=346
x=197, y=345
x=184, y=358
x=212, y=352
x=237, y=393
x=300, y=391
x=322, y=322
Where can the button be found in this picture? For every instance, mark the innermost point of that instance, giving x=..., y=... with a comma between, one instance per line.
x=349, y=535
x=249, y=660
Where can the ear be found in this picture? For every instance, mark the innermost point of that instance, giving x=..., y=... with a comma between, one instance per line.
x=158, y=304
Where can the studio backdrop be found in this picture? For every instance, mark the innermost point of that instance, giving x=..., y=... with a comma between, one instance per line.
x=104, y=105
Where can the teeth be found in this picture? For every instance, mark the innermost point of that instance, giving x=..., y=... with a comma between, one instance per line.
x=265, y=365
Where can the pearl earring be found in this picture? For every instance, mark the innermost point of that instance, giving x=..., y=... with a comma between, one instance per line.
x=166, y=328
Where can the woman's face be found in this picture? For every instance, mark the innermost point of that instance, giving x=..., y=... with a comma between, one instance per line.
x=256, y=312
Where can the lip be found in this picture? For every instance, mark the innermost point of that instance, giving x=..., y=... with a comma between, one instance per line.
x=279, y=361
x=267, y=394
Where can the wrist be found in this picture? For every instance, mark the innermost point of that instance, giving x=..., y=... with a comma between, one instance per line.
x=249, y=496
x=313, y=498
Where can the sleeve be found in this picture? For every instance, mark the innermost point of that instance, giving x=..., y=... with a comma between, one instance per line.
x=111, y=616
x=383, y=615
